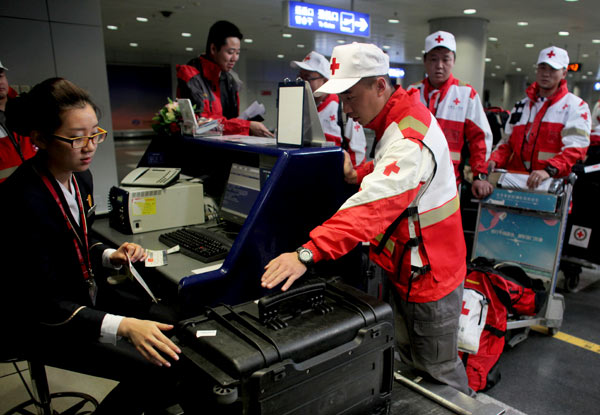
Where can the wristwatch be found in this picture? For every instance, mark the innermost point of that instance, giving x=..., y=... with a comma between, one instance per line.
x=482, y=176
x=305, y=255
x=551, y=170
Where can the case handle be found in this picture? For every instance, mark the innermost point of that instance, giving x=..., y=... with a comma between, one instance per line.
x=274, y=309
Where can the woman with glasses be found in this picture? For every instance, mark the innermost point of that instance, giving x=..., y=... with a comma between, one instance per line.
x=59, y=307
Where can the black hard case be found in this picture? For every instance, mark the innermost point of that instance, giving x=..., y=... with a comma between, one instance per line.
x=322, y=348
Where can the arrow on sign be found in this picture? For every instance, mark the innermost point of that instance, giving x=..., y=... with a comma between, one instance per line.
x=362, y=24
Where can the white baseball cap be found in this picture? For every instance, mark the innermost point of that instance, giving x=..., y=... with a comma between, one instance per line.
x=314, y=62
x=556, y=57
x=440, y=38
x=3, y=67
x=350, y=63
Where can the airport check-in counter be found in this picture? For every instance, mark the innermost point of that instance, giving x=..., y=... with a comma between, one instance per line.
x=299, y=189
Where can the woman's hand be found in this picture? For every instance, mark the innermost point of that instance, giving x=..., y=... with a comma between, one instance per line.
x=148, y=339
x=134, y=251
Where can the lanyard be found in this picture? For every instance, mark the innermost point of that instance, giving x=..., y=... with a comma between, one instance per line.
x=86, y=270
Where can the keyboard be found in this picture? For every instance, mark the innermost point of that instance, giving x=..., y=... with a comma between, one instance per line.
x=196, y=244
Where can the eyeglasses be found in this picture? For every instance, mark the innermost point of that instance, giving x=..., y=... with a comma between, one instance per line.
x=314, y=78
x=80, y=142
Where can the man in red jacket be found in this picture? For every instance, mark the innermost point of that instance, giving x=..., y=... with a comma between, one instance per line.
x=407, y=207
x=549, y=130
x=14, y=148
x=210, y=82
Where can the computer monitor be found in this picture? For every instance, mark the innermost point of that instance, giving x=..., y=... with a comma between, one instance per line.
x=241, y=191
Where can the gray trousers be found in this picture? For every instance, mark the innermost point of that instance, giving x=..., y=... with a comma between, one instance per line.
x=426, y=337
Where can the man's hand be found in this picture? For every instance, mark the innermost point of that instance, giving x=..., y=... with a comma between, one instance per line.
x=481, y=188
x=285, y=266
x=148, y=339
x=350, y=174
x=491, y=166
x=536, y=178
x=135, y=252
x=258, y=129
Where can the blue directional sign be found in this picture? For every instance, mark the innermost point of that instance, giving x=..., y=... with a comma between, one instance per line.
x=328, y=19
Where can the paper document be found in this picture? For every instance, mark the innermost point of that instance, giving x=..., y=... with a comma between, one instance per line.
x=252, y=111
x=519, y=182
x=139, y=279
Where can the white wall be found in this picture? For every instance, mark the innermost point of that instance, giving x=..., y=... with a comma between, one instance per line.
x=48, y=38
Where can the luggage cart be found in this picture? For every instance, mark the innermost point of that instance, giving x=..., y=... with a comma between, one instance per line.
x=527, y=228
x=581, y=243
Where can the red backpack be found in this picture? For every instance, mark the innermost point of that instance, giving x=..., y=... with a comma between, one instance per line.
x=506, y=290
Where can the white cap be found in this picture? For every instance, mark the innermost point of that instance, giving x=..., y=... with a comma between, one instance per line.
x=314, y=62
x=440, y=38
x=556, y=57
x=350, y=63
x=3, y=67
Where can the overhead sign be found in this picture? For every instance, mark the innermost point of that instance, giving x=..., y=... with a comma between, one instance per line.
x=327, y=19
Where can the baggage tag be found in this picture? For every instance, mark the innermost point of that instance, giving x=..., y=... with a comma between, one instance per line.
x=159, y=258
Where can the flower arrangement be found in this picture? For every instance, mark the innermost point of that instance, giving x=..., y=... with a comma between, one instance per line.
x=167, y=120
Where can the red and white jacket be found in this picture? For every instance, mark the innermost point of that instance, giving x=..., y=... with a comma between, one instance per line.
x=425, y=255
x=355, y=136
x=545, y=131
x=199, y=81
x=595, y=134
x=459, y=112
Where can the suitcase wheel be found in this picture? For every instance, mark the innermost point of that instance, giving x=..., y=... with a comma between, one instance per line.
x=225, y=395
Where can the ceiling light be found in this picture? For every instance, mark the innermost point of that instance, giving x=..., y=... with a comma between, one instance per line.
x=286, y=35
x=583, y=77
x=248, y=40
x=529, y=45
x=595, y=40
x=497, y=66
x=189, y=49
x=112, y=27
x=341, y=41
x=469, y=11
x=300, y=45
x=488, y=59
x=133, y=45
x=590, y=73
x=185, y=34
x=522, y=23
x=280, y=56
x=393, y=21
x=386, y=47
x=513, y=63
x=563, y=33
x=492, y=39
x=141, y=19
x=585, y=55
x=493, y=74
x=571, y=1
x=518, y=69
x=418, y=58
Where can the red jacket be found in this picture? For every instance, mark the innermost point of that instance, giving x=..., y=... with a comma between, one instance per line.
x=13, y=152
x=545, y=131
x=425, y=255
x=199, y=81
x=458, y=110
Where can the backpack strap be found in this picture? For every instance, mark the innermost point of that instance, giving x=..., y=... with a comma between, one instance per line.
x=410, y=211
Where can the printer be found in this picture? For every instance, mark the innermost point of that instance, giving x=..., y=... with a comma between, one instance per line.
x=143, y=209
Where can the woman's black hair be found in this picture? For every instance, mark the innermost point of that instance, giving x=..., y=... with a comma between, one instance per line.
x=41, y=108
x=219, y=32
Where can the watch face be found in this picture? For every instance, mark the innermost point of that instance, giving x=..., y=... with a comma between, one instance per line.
x=304, y=255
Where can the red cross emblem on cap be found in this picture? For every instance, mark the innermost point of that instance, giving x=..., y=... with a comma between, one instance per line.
x=456, y=101
x=439, y=39
x=334, y=66
x=307, y=58
x=551, y=54
x=391, y=168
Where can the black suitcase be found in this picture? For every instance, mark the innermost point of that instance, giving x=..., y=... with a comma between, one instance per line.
x=320, y=348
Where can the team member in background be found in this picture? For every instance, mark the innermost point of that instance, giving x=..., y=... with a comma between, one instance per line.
x=314, y=68
x=14, y=148
x=593, y=153
x=458, y=110
x=56, y=302
x=210, y=82
x=549, y=130
x=407, y=207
